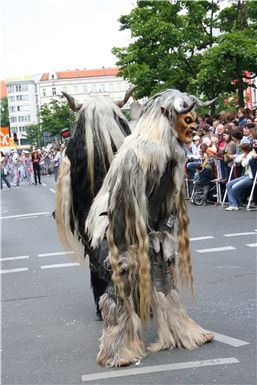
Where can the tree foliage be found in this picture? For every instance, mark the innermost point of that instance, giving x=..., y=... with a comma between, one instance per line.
x=190, y=45
x=55, y=116
x=34, y=134
x=4, y=112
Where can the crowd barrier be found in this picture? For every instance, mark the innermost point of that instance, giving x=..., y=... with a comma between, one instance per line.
x=221, y=196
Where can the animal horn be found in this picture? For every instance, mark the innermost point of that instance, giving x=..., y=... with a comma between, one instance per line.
x=75, y=106
x=129, y=92
x=203, y=104
x=181, y=107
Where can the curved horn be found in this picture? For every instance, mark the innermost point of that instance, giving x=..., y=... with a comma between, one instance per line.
x=203, y=104
x=181, y=107
x=129, y=92
x=75, y=106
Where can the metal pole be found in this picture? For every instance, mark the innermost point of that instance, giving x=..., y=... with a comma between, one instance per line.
x=229, y=178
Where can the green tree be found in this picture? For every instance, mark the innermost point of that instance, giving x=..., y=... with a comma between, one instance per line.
x=34, y=134
x=224, y=67
x=4, y=112
x=168, y=39
x=55, y=116
x=190, y=45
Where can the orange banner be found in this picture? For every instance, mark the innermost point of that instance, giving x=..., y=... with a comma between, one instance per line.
x=4, y=137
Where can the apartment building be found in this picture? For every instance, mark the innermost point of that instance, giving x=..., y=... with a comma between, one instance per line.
x=25, y=97
x=23, y=105
x=81, y=84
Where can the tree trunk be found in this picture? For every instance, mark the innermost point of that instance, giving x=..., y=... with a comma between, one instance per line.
x=240, y=83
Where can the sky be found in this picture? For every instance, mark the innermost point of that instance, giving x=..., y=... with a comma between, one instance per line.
x=38, y=36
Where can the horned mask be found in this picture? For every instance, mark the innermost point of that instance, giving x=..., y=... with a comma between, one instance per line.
x=185, y=115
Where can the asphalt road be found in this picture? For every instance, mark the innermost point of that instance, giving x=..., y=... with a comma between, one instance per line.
x=49, y=332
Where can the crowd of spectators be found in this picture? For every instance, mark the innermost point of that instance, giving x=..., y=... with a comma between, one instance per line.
x=28, y=166
x=224, y=150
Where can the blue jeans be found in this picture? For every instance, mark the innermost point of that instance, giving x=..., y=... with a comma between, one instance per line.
x=235, y=187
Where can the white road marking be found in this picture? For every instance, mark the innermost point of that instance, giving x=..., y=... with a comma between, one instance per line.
x=25, y=215
x=52, y=190
x=240, y=234
x=14, y=270
x=57, y=253
x=158, y=368
x=201, y=238
x=14, y=258
x=43, y=184
x=59, y=265
x=251, y=244
x=229, y=340
x=32, y=217
x=225, y=248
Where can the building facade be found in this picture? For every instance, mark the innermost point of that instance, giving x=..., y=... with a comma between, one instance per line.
x=23, y=106
x=81, y=84
x=25, y=97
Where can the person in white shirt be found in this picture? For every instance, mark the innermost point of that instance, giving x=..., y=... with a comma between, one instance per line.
x=236, y=186
x=57, y=161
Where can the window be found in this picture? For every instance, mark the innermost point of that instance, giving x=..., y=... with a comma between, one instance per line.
x=75, y=89
x=44, y=92
x=24, y=118
x=21, y=88
x=11, y=109
x=23, y=108
x=53, y=91
x=102, y=88
x=11, y=99
x=10, y=89
x=13, y=119
x=22, y=97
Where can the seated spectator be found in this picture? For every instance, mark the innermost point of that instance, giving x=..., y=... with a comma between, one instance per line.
x=237, y=136
x=236, y=186
x=228, y=154
x=195, y=157
x=206, y=170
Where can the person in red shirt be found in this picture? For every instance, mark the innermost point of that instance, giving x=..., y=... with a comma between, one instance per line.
x=36, y=156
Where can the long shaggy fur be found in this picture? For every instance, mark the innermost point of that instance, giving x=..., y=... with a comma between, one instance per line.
x=134, y=174
x=99, y=132
x=175, y=328
x=122, y=343
x=142, y=190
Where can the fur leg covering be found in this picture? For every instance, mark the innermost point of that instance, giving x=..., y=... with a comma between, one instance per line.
x=121, y=342
x=174, y=326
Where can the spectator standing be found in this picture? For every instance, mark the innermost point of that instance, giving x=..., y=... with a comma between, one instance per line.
x=57, y=161
x=241, y=117
x=4, y=171
x=36, y=156
x=28, y=168
x=47, y=162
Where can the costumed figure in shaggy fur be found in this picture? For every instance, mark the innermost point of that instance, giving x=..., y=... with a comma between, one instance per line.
x=132, y=225
x=100, y=130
